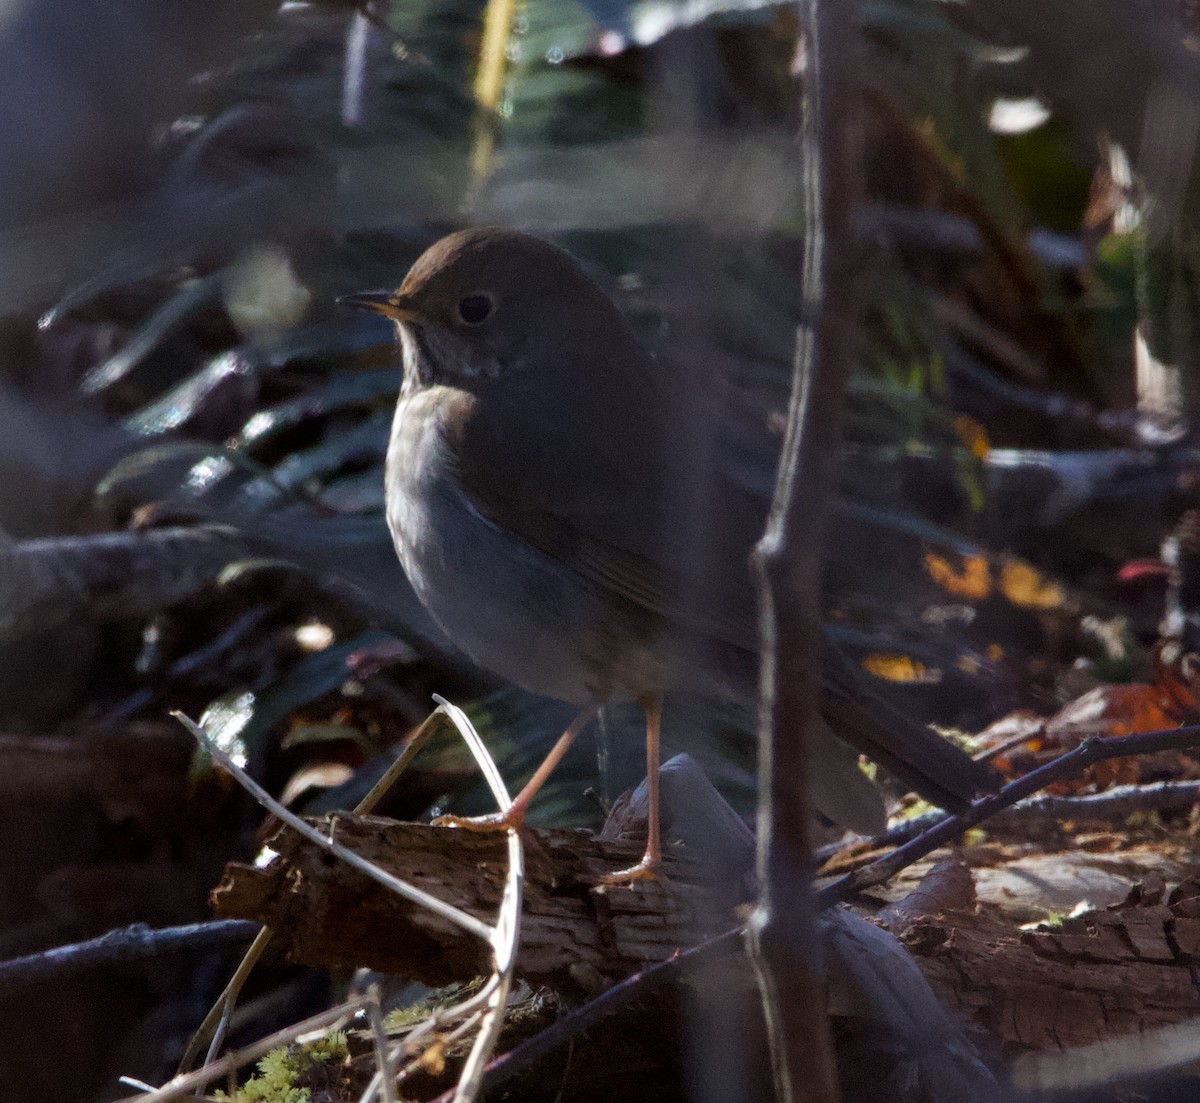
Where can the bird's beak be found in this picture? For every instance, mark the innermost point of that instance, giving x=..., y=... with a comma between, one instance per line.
x=391, y=304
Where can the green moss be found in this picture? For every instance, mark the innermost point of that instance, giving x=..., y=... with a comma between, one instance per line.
x=285, y=1075
x=976, y=836
x=437, y=1000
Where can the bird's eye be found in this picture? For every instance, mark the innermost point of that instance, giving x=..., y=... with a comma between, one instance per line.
x=475, y=309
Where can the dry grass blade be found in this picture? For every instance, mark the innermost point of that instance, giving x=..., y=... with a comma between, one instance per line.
x=507, y=932
x=216, y=1022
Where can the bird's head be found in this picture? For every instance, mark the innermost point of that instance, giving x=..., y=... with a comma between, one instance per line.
x=487, y=303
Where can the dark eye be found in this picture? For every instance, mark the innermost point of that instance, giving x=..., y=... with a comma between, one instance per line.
x=475, y=309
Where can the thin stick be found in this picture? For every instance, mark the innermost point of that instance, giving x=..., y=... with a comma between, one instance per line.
x=387, y=1070
x=1111, y=806
x=516, y=1061
x=652, y=705
x=782, y=933
x=124, y=944
x=384, y=785
x=1065, y=766
x=221, y=1013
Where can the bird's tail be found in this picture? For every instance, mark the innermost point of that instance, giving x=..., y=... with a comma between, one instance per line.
x=932, y=766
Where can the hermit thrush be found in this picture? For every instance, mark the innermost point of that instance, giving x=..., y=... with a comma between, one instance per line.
x=562, y=507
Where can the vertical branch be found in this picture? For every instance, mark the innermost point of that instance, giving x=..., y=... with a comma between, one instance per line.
x=783, y=935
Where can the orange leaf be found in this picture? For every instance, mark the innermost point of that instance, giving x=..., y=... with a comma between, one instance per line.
x=972, y=582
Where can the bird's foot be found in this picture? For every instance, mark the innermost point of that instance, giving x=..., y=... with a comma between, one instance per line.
x=646, y=870
x=493, y=821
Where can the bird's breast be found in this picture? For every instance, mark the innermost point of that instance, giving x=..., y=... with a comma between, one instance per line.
x=513, y=609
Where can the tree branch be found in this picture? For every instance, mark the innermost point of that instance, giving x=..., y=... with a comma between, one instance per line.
x=119, y=947
x=782, y=935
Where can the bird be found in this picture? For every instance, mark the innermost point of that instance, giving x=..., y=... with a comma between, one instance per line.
x=570, y=511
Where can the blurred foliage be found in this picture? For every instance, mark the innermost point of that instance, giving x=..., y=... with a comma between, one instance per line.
x=1046, y=174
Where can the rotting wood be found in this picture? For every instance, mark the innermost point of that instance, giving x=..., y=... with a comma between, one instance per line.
x=1098, y=975
x=1108, y=972
x=326, y=914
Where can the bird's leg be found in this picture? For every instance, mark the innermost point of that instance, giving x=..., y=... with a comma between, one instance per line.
x=652, y=704
x=515, y=816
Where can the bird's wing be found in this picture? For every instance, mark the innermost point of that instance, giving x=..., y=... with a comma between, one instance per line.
x=639, y=508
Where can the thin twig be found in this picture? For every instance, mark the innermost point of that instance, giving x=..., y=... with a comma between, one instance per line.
x=507, y=932
x=221, y=1013
x=570, y=1026
x=1062, y=768
x=1111, y=806
x=383, y=1059
x=782, y=933
x=123, y=945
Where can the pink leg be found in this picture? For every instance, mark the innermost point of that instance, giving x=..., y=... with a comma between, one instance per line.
x=515, y=816
x=645, y=869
